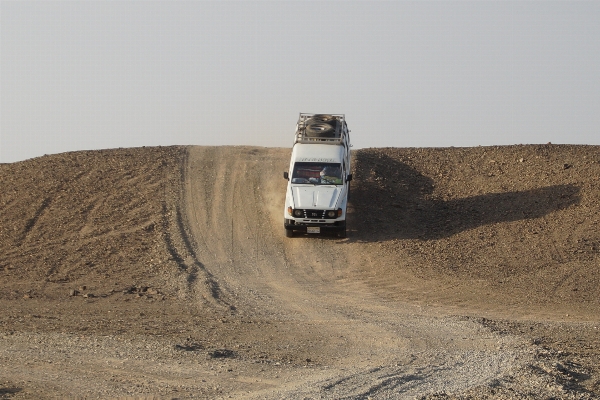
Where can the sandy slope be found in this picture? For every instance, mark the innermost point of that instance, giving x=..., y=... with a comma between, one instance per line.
x=466, y=273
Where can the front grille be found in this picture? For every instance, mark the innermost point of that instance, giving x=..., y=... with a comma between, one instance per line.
x=314, y=214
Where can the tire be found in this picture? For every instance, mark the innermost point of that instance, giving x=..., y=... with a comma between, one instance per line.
x=342, y=233
x=289, y=233
x=321, y=118
x=319, y=129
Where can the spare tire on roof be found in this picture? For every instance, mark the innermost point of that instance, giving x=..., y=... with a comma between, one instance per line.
x=321, y=118
x=319, y=129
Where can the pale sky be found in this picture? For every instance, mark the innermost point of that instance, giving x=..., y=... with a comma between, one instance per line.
x=94, y=75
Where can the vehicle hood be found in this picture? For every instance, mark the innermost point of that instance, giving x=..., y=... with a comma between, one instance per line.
x=316, y=197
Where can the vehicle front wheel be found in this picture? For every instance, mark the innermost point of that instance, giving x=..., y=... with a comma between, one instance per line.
x=342, y=233
x=289, y=233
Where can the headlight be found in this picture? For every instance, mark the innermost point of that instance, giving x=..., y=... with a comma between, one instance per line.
x=331, y=214
x=298, y=213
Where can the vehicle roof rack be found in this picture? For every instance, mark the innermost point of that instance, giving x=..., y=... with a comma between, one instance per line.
x=322, y=129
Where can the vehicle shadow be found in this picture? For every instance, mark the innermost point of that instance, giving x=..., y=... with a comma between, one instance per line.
x=391, y=200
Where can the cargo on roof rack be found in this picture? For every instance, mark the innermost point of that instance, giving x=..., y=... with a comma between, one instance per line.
x=322, y=129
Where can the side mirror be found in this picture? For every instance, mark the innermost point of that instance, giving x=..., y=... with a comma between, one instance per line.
x=349, y=178
x=286, y=176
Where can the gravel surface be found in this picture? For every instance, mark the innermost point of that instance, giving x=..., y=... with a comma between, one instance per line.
x=164, y=272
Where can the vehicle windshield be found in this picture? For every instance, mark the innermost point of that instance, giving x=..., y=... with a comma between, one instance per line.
x=317, y=173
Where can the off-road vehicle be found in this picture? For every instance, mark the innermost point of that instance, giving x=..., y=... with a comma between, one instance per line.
x=319, y=176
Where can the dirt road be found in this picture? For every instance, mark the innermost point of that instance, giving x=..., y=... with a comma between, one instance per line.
x=165, y=273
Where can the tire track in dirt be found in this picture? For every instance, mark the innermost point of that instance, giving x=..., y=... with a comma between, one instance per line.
x=198, y=282
x=373, y=315
x=29, y=225
x=234, y=207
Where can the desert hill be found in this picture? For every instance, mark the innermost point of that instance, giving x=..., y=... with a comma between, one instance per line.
x=516, y=224
x=186, y=245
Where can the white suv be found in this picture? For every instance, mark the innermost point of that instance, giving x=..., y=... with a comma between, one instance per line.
x=319, y=176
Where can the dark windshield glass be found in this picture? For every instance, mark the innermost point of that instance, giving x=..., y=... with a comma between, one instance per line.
x=317, y=173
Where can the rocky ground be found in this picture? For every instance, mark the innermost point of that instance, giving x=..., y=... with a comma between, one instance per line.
x=164, y=273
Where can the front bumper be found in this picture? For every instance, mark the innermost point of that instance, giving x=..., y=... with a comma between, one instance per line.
x=326, y=226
